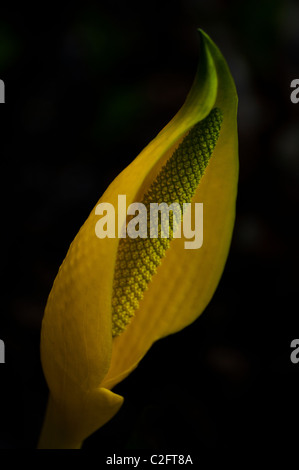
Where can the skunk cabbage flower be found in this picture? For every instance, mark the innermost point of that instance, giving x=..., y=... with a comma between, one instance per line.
x=114, y=297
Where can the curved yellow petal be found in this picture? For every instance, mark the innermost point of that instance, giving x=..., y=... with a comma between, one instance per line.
x=78, y=352
x=76, y=342
x=187, y=279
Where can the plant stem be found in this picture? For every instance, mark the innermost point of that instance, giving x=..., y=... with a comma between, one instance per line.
x=55, y=434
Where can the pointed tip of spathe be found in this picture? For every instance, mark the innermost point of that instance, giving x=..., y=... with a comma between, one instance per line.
x=201, y=32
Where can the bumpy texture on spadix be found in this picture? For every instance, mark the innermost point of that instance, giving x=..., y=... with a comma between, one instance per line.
x=139, y=258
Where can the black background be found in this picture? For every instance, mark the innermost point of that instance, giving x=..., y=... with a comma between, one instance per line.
x=87, y=87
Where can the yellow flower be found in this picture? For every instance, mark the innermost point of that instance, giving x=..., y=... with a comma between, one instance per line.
x=113, y=298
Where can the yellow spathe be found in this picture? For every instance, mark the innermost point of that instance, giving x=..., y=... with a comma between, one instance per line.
x=81, y=360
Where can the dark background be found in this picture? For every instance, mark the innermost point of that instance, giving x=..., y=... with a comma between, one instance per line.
x=87, y=87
